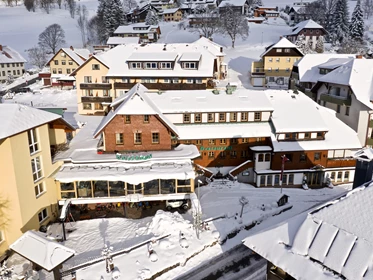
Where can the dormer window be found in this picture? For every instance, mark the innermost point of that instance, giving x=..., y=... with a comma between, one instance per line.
x=151, y=65
x=278, y=50
x=190, y=65
x=166, y=65
x=136, y=65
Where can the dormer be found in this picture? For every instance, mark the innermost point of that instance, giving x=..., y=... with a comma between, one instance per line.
x=151, y=61
x=190, y=61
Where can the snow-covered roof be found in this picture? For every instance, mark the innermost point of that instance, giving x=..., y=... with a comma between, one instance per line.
x=334, y=241
x=309, y=24
x=333, y=63
x=9, y=55
x=365, y=154
x=132, y=173
x=170, y=11
x=213, y=47
x=134, y=28
x=236, y=3
x=135, y=102
x=83, y=53
x=117, y=57
x=42, y=251
x=192, y=56
x=282, y=43
x=75, y=56
x=122, y=40
x=225, y=130
x=17, y=118
x=308, y=65
x=307, y=116
x=358, y=74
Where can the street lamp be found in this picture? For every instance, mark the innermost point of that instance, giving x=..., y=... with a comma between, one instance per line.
x=283, y=160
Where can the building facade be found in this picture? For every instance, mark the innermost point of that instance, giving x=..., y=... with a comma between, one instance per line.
x=273, y=70
x=311, y=31
x=174, y=14
x=159, y=67
x=146, y=33
x=28, y=140
x=12, y=64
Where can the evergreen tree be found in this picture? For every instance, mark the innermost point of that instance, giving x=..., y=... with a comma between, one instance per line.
x=113, y=17
x=302, y=44
x=99, y=22
x=320, y=45
x=151, y=18
x=340, y=24
x=357, y=23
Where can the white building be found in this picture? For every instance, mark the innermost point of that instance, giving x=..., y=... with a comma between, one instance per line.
x=11, y=63
x=331, y=242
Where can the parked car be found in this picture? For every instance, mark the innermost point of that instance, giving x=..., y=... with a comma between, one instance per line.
x=172, y=204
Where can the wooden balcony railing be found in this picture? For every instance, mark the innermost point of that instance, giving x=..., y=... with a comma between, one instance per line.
x=97, y=99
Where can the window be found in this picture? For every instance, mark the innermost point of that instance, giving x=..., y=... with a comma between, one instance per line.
x=278, y=50
x=18, y=72
x=302, y=158
x=146, y=118
x=339, y=176
x=197, y=118
x=269, y=180
x=233, y=154
x=245, y=140
x=56, y=62
x=277, y=69
x=234, y=141
x=267, y=157
x=33, y=141
x=287, y=69
x=338, y=109
x=155, y=138
x=166, y=65
x=98, y=106
x=233, y=117
x=136, y=65
x=243, y=117
x=223, y=141
x=137, y=139
x=167, y=81
x=87, y=79
x=243, y=154
x=189, y=81
x=221, y=117
x=127, y=119
x=198, y=142
x=317, y=156
x=63, y=62
x=210, y=117
x=119, y=138
x=307, y=135
x=43, y=215
x=186, y=118
x=190, y=65
x=285, y=179
x=88, y=92
x=270, y=59
x=175, y=80
x=347, y=111
x=288, y=59
x=257, y=116
x=223, y=154
x=36, y=169
x=278, y=59
x=95, y=66
x=262, y=180
x=289, y=157
x=261, y=158
x=211, y=141
x=346, y=177
x=68, y=71
x=70, y=62
x=287, y=50
x=151, y=65
x=291, y=179
x=277, y=179
x=63, y=54
x=106, y=79
x=320, y=135
x=39, y=189
x=211, y=154
x=105, y=92
x=332, y=176
x=87, y=106
x=270, y=70
x=59, y=70
x=198, y=81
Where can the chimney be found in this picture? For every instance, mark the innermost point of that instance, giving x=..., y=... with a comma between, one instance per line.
x=71, y=48
x=280, y=37
x=359, y=56
x=1, y=48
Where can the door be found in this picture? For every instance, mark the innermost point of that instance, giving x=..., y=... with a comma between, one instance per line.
x=257, y=82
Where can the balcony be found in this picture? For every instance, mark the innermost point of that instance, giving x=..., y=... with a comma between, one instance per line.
x=343, y=162
x=97, y=99
x=163, y=86
x=339, y=100
x=95, y=86
x=257, y=65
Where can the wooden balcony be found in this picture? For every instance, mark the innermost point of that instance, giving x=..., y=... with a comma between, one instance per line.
x=163, y=86
x=97, y=99
x=95, y=86
x=339, y=100
x=343, y=162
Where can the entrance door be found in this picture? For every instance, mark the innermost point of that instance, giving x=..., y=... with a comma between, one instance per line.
x=257, y=82
x=314, y=179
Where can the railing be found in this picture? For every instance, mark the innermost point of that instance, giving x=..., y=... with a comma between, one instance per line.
x=95, y=86
x=343, y=162
x=97, y=99
x=339, y=100
x=273, y=72
x=163, y=86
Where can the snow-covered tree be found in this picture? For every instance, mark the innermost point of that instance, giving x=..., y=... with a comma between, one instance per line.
x=340, y=23
x=37, y=57
x=151, y=18
x=82, y=22
x=106, y=255
x=320, y=45
x=357, y=23
x=234, y=24
x=113, y=16
x=208, y=23
x=368, y=8
x=303, y=44
x=5, y=272
x=129, y=5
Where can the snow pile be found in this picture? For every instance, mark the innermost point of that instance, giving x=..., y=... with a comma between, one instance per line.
x=167, y=222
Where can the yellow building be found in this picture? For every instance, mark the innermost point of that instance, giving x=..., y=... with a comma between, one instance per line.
x=174, y=14
x=62, y=64
x=274, y=67
x=29, y=137
x=159, y=67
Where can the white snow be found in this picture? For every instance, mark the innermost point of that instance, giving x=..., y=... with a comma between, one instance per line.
x=122, y=40
x=309, y=24
x=9, y=55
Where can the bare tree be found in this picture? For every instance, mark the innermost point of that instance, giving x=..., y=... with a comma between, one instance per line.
x=46, y=5
x=234, y=24
x=93, y=29
x=30, y=5
x=82, y=22
x=37, y=56
x=8, y=3
x=207, y=23
x=71, y=4
x=59, y=3
x=367, y=6
x=52, y=38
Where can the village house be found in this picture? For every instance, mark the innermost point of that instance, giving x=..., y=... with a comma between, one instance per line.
x=331, y=241
x=139, y=13
x=163, y=4
x=298, y=13
x=29, y=139
x=266, y=12
x=174, y=14
x=159, y=67
x=116, y=41
x=311, y=31
x=144, y=32
x=239, y=6
x=12, y=64
x=61, y=65
x=192, y=6
x=273, y=70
